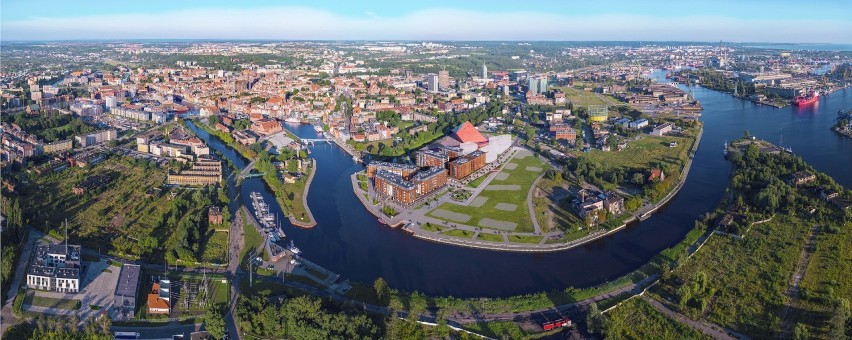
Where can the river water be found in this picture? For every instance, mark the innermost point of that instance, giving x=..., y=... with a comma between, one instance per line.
x=351, y=242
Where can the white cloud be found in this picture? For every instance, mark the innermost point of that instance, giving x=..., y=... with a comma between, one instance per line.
x=301, y=23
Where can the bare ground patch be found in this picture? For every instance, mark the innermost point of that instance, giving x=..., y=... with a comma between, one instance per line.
x=495, y=224
x=478, y=201
x=452, y=216
x=510, y=187
x=506, y=206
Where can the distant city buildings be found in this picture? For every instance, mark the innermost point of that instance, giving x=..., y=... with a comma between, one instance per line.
x=96, y=138
x=432, y=82
x=444, y=79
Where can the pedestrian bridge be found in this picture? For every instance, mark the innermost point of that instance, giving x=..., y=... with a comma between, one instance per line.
x=311, y=141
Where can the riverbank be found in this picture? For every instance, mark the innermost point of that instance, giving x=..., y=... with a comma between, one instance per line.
x=842, y=132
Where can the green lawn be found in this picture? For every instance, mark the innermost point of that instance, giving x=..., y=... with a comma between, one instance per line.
x=490, y=237
x=498, y=330
x=215, y=250
x=252, y=238
x=637, y=319
x=581, y=97
x=826, y=279
x=641, y=155
x=431, y=227
x=524, y=239
x=40, y=301
x=458, y=233
x=475, y=183
x=223, y=291
x=518, y=176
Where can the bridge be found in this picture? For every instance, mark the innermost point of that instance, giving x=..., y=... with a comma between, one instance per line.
x=309, y=141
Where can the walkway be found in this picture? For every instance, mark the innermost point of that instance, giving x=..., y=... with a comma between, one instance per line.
x=8, y=318
x=531, y=207
x=787, y=316
x=711, y=330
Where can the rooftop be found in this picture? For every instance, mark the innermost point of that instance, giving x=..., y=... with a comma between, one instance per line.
x=128, y=280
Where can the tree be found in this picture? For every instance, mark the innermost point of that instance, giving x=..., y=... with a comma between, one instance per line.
x=637, y=178
x=801, y=332
x=593, y=319
x=382, y=289
x=214, y=321
x=212, y=120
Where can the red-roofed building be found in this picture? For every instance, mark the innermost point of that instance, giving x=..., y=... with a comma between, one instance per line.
x=467, y=133
x=657, y=175
x=266, y=126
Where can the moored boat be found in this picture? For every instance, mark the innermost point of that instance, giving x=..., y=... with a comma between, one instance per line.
x=810, y=98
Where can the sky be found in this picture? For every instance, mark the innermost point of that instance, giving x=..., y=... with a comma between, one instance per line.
x=813, y=21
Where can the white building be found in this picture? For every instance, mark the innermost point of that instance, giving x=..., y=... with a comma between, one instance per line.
x=638, y=124
x=55, y=267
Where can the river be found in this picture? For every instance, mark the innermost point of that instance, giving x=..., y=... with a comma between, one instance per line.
x=351, y=242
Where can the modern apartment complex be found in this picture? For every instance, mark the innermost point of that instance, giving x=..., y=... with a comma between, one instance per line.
x=55, y=267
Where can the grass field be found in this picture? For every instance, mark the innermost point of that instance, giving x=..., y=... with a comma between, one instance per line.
x=490, y=237
x=643, y=154
x=475, y=183
x=519, y=176
x=215, y=249
x=746, y=279
x=48, y=302
x=524, y=239
x=826, y=279
x=498, y=330
x=581, y=97
x=252, y=238
x=563, y=217
x=637, y=319
x=458, y=233
x=431, y=227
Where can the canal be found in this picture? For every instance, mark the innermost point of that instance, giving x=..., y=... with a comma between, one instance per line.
x=350, y=241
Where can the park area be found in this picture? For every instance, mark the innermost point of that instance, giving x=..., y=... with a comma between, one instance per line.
x=502, y=204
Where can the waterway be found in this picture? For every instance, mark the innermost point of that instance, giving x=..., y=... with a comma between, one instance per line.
x=351, y=242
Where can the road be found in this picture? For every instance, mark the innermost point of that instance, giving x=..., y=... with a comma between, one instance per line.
x=711, y=330
x=7, y=318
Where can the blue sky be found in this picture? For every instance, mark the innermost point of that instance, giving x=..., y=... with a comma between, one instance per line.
x=766, y=21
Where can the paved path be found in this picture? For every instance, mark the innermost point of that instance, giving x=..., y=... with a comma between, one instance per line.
x=793, y=291
x=711, y=330
x=530, y=205
x=160, y=331
x=7, y=318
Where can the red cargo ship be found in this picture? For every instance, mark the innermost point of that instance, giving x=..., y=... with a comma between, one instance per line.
x=810, y=98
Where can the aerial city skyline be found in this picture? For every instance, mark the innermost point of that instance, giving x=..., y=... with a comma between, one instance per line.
x=425, y=170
